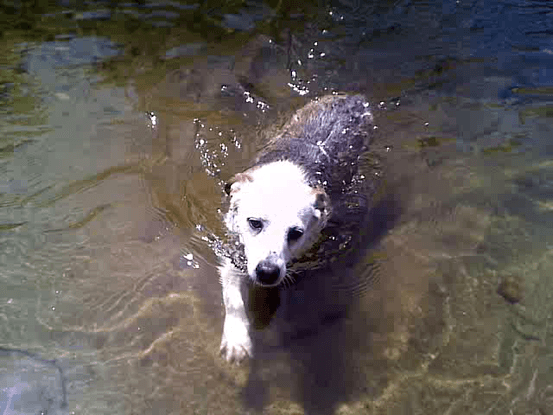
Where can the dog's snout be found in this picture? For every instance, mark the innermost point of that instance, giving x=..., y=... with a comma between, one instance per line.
x=267, y=272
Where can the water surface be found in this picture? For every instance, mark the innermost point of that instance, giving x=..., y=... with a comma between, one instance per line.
x=121, y=122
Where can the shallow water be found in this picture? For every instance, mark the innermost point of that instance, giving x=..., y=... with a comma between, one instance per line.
x=121, y=122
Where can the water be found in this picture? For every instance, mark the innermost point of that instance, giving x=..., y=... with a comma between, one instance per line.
x=121, y=123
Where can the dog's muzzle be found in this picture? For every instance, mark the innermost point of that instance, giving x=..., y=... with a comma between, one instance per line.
x=267, y=272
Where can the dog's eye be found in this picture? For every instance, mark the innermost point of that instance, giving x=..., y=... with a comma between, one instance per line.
x=255, y=224
x=294, y=234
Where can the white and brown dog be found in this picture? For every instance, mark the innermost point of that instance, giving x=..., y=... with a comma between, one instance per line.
x=279, y=207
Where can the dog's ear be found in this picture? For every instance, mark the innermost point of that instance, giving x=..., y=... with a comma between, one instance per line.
x=232, y=189
x=234, y=184
x=322, y=206
x=228, y=187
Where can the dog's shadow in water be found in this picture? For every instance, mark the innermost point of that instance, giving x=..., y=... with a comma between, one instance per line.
x=310, y=340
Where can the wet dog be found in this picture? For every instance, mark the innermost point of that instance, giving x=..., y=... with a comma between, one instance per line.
x=302, y=184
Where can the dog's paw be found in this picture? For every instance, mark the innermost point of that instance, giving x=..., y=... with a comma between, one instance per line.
x=236, y=343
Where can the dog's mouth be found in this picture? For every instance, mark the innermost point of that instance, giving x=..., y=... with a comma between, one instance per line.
x=310, y=260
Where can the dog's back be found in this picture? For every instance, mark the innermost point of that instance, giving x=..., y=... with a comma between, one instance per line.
x=326, y=137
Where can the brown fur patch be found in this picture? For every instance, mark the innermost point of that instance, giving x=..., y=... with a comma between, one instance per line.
x=322, y=203
x=234, y=184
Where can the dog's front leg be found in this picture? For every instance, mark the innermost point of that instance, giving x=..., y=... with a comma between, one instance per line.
x=236, y=343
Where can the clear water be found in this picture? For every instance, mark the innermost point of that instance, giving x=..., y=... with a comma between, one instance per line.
x=120, y=122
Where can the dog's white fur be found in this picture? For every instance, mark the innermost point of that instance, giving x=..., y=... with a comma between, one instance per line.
x=278, y=196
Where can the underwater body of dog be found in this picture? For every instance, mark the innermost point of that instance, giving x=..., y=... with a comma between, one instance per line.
x=300, y=200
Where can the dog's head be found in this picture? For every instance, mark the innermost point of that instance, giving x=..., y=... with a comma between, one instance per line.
x=276, y=215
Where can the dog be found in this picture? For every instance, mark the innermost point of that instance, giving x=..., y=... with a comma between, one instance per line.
x=300, y=186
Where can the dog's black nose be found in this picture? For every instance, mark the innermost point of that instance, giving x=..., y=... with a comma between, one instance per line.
x=267, y=272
